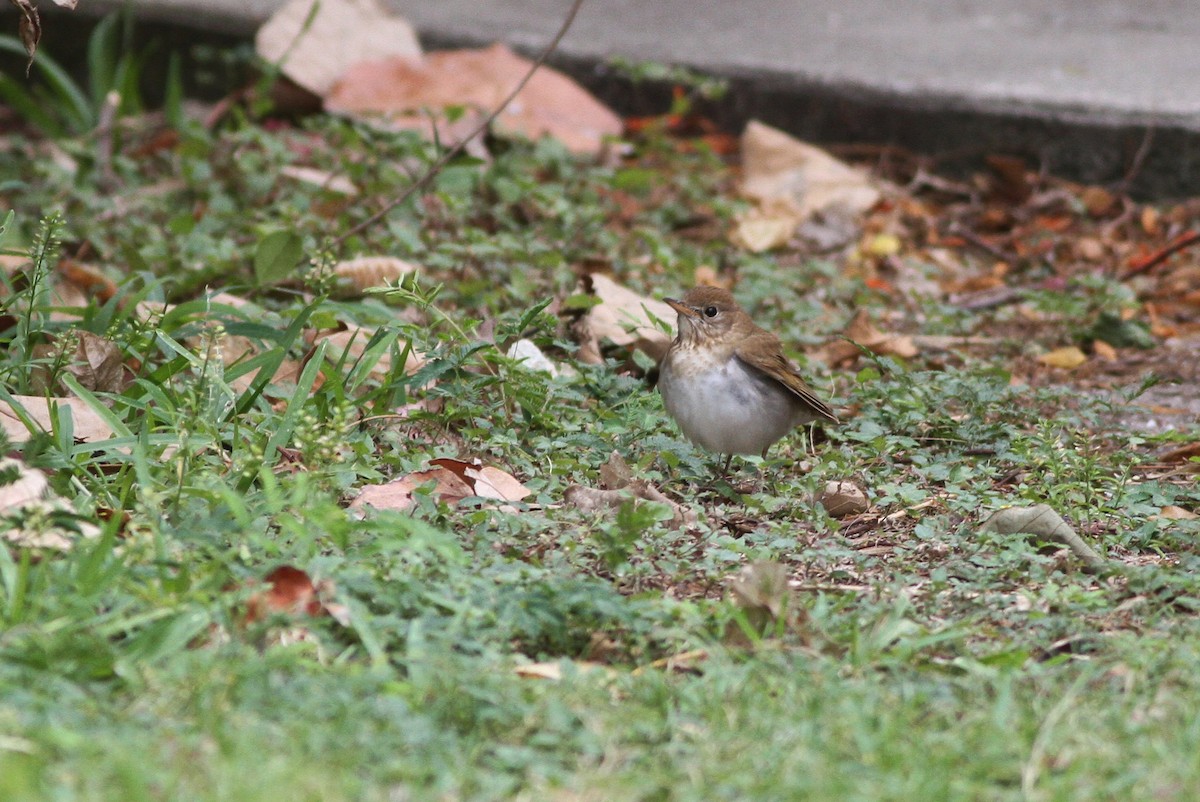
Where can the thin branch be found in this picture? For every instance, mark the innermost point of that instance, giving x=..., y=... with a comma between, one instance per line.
x=437, y=166
x=1185, y=240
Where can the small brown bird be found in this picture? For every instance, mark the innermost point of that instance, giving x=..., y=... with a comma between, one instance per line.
x=726, y=382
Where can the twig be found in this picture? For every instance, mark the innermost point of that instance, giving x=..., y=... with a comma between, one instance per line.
x=1139, y=158
x=437, y=166
x=1184, y=240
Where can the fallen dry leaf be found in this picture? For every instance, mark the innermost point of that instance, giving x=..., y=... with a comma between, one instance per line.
x=96, y=363
x=554, y=670
x=842, y=499
x=623, y=318
x=1174, y=513
x=766, y=226
x=406, y=89
x=454, y=480
x=352, y=342
x=292, y=592
x=88, y=427
x=332, y=182
x=591, y=499
x=341, y=33
x=32, y=515
x=861, y=331
x=778, y=167
x=1066, y=358
x=356, y=276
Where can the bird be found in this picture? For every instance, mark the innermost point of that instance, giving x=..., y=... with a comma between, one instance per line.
x=726, y=381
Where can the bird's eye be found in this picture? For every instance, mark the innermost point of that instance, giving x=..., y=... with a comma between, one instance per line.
x=710, y=311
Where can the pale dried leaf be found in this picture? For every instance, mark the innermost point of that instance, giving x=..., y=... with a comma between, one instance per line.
x=765, y=227
x=485, y=481
x=398, y=493
x=352, y=342
x=30, y=485
x=624, y=318
x=553, y=671
x=356, y=276
x=1066, y=358
x=778, y=166
x=590, y=499
x=330, y=181
x=88, y=426
x=342, y=33
x=1173, y=513
x=29, y=28
x=529, y=356
x=1041, y=520
x=406, y=90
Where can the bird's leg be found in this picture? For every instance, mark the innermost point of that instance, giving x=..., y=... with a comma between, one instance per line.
x=725, y=467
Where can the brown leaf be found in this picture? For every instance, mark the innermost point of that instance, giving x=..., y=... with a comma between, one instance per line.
x=842, y=499
x=454, y=480
x=98, y=364
x=352, y=342
x=356, y=276
x=624, y=318
x=30, y=29
x=317, y=52
x=292, y=592
x=405, y=89
x=864, y=333
x=1174, y=513
x=615, y=473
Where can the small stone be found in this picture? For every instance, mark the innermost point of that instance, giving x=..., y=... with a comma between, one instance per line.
x=842, y=499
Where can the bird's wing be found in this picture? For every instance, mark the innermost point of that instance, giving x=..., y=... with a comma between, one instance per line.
x=778, y=367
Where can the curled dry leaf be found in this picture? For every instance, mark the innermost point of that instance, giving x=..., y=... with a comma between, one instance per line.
x=88, y=427
x=405, y=89
x=453, y=481
x=356, y=276
x=292, y=592
x=763, y=593
x=841, y=499
x=623, y=318
x=1041, y=520
x=341, y=33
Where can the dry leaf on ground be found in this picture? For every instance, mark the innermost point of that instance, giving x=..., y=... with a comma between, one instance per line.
x=292, y=592
x=97, y=363
x=454, y=480
x=356, y=276
x=618, y=487
x=342, y=33
x=406, y=89
x=1066, y=358
x=623, y=318
x=861, y=331
x=352, y=342
x=777, y=166
x=32, y=515
x=841, y=499
x=87, y=425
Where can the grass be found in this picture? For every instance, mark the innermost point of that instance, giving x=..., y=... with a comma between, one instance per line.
x=924, y=659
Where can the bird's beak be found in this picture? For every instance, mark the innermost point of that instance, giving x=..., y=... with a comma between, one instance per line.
x=681, y=307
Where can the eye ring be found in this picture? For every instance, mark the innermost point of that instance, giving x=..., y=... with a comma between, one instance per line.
x=710, y=311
